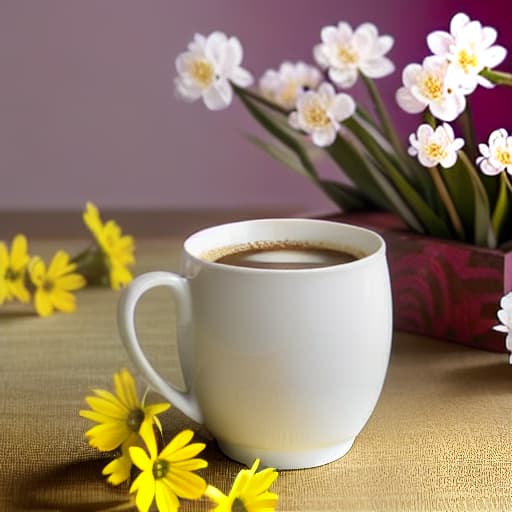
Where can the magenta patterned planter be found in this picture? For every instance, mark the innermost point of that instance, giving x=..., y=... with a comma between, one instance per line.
x=441, y=288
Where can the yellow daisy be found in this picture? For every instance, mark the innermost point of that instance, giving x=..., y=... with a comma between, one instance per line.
x=4, y=262
x=120, y=417
x=118, y=249
x=249, y=492
x=53, y=285
x=168, y=475
x=14, y=270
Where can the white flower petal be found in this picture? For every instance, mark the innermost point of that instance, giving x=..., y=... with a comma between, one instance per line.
x=329, y=35
x=449, y=160
x=241, y=77
x=410, y=74
x=426, y=160
x=320, y=55
x=484, y=150
x=218, y=96
x=494, y=56
x=342, y=107
x=425, y=131
x=383, y=45
x=500, y=328
x=408, y=102
x=215, y=46
x=439, y=42
x=293, y=120
x=345, y=32
x=487, y=168
x=377, y=68
x=458, y=22
x=185, y=91
x=345, y=78
x=324, y=137
x=489, y=36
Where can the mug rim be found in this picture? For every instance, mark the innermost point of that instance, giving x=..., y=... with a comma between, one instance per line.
x=194, y=237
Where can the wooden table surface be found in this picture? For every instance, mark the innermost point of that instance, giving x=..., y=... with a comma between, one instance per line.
x=440, y=437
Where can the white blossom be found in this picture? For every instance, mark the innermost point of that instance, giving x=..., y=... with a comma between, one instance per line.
x=207, y=68
x=284, y=85
x=433, y=147
x=319, y=113
x=431, y=85
x=497, y=155
x=469, y=48
x=505, y=317
x=345, y=52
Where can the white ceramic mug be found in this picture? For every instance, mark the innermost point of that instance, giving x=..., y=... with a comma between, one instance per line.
x=284, y=365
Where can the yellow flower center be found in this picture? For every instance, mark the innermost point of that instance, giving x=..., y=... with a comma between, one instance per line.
x=316, y=116
x=48, y=285
x=135, y=419
x=347, y=55
x=504, y=156
x=202, y=72
x=432, y=87
x=289, y=94
x=435, y=151
x=238, y=506
x=160, y=469
x=467, y=60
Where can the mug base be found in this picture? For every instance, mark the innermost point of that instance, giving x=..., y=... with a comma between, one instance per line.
x=286, y=460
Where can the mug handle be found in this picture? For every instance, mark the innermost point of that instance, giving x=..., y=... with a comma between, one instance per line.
x=185, y=401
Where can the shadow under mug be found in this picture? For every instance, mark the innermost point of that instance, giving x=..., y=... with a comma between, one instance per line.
x=281, y=364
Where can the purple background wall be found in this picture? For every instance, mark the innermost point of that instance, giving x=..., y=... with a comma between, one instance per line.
x=87, y=108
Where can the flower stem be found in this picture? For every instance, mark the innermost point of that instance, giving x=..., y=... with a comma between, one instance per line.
x=247, y=93
x=385, y=120
x=447, y=201
x=497, y=77
x=468, y=128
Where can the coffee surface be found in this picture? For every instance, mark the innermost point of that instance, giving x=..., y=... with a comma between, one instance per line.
x=286, y=256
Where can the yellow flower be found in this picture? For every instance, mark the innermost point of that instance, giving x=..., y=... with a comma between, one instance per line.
x=120, y=417
x=4, y=262
x=117, y=248
x=249, y=492
x=53, y=286
x=168, y=475
x=13, y=270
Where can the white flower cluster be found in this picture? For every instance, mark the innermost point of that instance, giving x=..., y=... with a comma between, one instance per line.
x=442, y=82
x=505, y=317
x=212, y=64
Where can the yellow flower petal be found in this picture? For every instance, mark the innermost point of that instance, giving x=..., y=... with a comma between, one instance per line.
x=190, y=465
x=185, y=484
x=166, y=500
x=148, y=436
x=119, y=469
x=37, y=270
x=70, y=282
x=43, y=303
x=107, y=436
x=4, y=258
x=91, y=218
x=154, y=409
x=19, y=254
x=186, y=452
x=216, y=495
x=145, y=492
x=63, y=301
x=140, y=458
x=179, y=441
x=109, y=408
x=60, y=265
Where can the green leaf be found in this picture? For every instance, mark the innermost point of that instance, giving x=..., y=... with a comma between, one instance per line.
x=502, y=209
x=460, y=187
x=369, y=180
x=345, y=196
x=483, y=231
x=410, y=197
x=278, y=132
x=280, y=153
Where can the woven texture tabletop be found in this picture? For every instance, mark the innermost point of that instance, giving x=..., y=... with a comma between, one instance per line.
x=440, y=438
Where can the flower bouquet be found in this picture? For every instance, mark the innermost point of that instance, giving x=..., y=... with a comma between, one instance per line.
x=442, y=183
